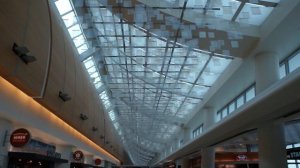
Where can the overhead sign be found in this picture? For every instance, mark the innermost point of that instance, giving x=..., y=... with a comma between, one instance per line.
x=97, y=162
x=293, y=153
x=19, y=138
x=78, y=155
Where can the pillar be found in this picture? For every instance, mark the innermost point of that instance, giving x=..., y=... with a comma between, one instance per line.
x=5, y=131
x=272, y=148
x=186, y=135
x=66, y=153
x=266, y=70
x=209, y=117
x=208, y=157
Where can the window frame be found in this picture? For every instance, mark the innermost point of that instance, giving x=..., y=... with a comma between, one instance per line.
x=197, y=131
x=285, y=61
x=243, y=94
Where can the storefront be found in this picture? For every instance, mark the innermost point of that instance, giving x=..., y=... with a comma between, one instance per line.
x=27, y=152
x=237, y=160
x=230, y=160
x=32, y=160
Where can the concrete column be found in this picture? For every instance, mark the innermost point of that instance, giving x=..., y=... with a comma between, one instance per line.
x=66, y=153
x=272, y=148
x=186, y=134
x=209, y=117
x=208, y=157
x=266, y=70
x=5, y=131
x=89, y=159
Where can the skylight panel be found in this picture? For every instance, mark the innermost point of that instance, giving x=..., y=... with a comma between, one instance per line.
x=199, y=91
x=74, y=31
x=88, y=63
x=274, y=1
x=107, y=104
x=112, y=115
x=92, y=70
x=196, y=3
x=138, y=41
x=69, y=19
x=145, y=75
x=208, y=78
x=254, y=14
x=63, y=6
x=185, y=88
x=103, y=95
x=82, y=48
x=217, y=65
x=94, y=75
x=154, y=41
x=137, y=32
x=227, y=8
x=79, y=40
x=138, y=51
x=98, y=85
x=96, y=80
x=116, y=125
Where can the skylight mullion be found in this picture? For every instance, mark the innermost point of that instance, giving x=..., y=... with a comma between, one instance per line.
x=122, y=31
x=195, y=82
x=260, y=2
x=146, y=62
x=139, y=78
x=175, y=41
x=126, y=66
x=174, y=44
x=132, y=82
x=206, y=7
x=104, y=97
x=238, y=11
x=63, y=6
x=81, y=45
x=178, y=76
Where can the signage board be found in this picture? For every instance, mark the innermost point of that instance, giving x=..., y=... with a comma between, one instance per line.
x=293, y=153
x=19, y=138
x=98, y=161
x=78, y=155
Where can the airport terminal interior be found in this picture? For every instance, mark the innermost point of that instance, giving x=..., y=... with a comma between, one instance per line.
x=149, y=83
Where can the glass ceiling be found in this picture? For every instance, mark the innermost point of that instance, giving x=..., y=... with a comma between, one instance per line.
x=152, y=83
x=252, y=12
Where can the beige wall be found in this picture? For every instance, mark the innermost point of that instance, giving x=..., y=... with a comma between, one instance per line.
x=26, y=22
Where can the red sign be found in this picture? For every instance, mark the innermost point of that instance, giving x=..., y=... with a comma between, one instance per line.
x=97, y=161
x=19, y=137
x=78, y=155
